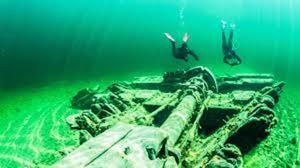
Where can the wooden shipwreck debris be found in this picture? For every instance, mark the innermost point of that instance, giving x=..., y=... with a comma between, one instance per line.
x=185, y=119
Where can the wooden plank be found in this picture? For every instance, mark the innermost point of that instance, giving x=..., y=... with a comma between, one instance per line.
x=95, y=147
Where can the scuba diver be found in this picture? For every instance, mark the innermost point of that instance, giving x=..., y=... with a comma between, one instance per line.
x=183, y=51
x=230, y=56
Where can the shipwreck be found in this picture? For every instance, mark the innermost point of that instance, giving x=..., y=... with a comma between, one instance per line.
x=187, y=118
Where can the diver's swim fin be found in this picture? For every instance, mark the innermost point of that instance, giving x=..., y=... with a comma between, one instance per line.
x=185, y=38
x=169, y=37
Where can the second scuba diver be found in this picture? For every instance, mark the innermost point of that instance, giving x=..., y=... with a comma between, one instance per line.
x=230, y=56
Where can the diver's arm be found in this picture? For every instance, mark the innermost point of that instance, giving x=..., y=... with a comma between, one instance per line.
x=194, y=55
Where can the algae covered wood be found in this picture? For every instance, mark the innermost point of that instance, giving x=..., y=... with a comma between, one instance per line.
x=187, y=118
x=95, y=147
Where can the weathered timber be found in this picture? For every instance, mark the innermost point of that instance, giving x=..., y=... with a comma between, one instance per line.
x=187, y=118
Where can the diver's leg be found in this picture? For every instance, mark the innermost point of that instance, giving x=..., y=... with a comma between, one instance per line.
x=230, y=39
x=230, y=45
x=174, y=48
x=173, y=43
x=224, y=43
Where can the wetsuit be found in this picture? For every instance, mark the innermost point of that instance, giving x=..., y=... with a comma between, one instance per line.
x=230, y=56
x=183, y=52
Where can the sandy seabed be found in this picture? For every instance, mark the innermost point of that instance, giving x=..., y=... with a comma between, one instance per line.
x=33, y=129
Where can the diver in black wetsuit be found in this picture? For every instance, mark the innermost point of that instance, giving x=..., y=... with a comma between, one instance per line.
x=230, y=56
x=183, y=51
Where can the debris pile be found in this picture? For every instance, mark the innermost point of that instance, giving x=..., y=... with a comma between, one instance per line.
x=185, y=119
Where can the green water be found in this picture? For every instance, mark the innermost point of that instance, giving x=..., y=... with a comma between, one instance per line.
x=59, y=39
x=51, y=48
